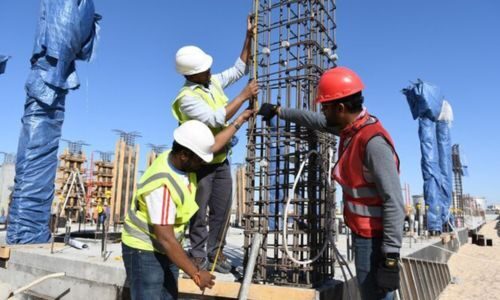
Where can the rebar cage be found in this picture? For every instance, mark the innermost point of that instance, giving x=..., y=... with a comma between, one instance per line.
x=294, y=45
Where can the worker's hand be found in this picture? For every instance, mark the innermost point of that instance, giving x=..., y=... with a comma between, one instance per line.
x=206, y=280
x=388, y=276
x=251, y=90
x=268, y=111
x=245, y=115
x=250, y=27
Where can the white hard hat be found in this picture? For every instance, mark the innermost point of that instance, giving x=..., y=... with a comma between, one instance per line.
x=197, y=137
x=190, y=60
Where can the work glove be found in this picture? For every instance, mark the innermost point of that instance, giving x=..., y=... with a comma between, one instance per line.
x=268, y=111
x=388, y=275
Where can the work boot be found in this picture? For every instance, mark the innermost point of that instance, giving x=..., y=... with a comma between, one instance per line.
x=222, y=264
x=200, y=262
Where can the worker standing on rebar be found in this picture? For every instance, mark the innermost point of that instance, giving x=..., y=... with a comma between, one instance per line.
x=162, y=207
x=202, y=98
x=367, y=169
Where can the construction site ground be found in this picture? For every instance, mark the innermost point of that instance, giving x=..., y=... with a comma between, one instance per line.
x=475, y=270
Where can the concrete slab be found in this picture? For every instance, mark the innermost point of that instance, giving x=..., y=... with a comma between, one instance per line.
x=89, y=276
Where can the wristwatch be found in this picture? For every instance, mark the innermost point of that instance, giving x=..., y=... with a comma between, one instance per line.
x=391, y=260
x=236, y=125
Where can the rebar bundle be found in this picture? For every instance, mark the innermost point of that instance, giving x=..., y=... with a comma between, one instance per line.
x=294, y=45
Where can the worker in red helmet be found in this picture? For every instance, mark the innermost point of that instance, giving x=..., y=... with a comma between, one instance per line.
x=367, y=169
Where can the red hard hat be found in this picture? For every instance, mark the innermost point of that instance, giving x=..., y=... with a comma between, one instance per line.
x=338, y=83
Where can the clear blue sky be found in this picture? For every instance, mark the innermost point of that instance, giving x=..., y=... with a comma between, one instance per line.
x=454, y=44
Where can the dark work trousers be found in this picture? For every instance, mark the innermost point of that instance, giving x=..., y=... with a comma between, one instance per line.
x=367, y=255
x=215, y=187
x=150, y=275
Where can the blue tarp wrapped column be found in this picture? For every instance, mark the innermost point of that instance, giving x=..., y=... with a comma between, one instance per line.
x=443, y=138
x=430, y=172
x=426, y=104
x=3, y=63
x=67, y=31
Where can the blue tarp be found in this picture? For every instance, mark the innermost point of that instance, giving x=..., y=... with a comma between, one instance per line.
x=3, y=63
x=431, y=173
x=67, y=31
x=443, y=138
x=426, y=102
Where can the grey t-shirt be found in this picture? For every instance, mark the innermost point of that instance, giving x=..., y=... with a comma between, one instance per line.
x=379, y=163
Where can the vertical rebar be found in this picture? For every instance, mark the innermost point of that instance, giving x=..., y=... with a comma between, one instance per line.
x=295, y=41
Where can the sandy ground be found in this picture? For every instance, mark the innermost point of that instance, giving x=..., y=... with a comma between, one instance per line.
x=476, y=269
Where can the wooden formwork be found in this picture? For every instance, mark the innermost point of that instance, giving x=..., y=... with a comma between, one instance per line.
x=124, y=179
x=100, y=187
x=152, y=155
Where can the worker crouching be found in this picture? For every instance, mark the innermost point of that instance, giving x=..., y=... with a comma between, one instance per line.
x=162, y=207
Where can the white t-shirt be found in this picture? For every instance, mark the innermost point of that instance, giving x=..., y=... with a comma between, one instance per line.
x=161, y=207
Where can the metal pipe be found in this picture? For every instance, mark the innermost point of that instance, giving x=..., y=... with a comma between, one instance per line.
x=247, y=279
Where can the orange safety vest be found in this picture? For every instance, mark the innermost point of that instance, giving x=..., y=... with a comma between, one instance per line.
x=362, y=202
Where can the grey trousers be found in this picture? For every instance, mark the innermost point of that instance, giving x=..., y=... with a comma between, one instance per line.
x=215, y=187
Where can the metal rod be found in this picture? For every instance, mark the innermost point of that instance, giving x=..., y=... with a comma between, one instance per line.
x=250, y=267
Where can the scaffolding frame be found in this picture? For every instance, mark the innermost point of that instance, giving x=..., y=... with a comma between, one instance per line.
x=458, y=190
x=71, y=167
x=294, y=44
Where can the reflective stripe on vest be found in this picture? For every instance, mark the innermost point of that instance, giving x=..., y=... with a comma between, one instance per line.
x=138, y=231
x=143, y=237
x=363, y=205
x=157, y=176
x=163, y=175
x=364, y=210
x=215, y=101
x=138, y=222
x=361, y=192
x=145, y=227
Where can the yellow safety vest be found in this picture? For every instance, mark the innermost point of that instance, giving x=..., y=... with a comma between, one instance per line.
x=215, y=100
x=138, y=230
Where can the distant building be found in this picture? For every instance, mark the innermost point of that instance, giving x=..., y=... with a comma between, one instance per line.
x=494, y=207
x=7, y=173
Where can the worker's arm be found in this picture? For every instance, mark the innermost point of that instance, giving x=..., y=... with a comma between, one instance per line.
x=245, y=52
x=197, y=109
x=309, y=119
x=382, y=170
x=240, y=67
x=223, y=137
x=252, y=89
x=166, y=236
